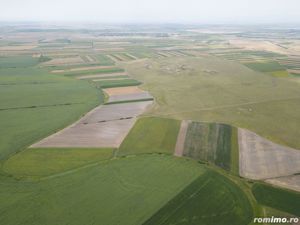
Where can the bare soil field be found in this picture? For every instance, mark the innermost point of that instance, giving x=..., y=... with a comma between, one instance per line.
x=290, y=182
x=123, y=90
x=127, y=97
x=260, y=158
x=179, y=148
x=105, y=126
x=101, y=75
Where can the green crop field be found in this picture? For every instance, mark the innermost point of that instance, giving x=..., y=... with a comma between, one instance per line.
x=17, y=62
x=127, y=190
x=283, y=200
x=209, y=142
x=35, y=104
x=104, y=60
x=151, y=135
x=117, y=83
x=35, y=162
x=265, y=66
x=91, y=72
x=210, y=199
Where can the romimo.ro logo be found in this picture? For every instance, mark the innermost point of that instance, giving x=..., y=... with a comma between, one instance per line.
x=292, y=220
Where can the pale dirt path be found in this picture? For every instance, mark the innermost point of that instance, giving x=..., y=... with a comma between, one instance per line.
x=181, y=138
x=261, y=159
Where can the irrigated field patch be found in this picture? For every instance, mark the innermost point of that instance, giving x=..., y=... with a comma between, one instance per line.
x=151, y=134
x=209, y=200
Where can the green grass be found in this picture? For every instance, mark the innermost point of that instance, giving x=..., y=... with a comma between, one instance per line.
x=281, y=199
x=91, y=72
x=117, y=83
x=104, y=60
x=265, y=66
x=210, y=199
x=209, y=142
x=17, y=62
x=151, y=134
x=234, y=95
x=38, y=162
x=123, y=191
x=35, y=104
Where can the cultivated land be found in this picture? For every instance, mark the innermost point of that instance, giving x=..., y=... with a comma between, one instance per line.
x=262, y=159
x=104, y=126
x=106, y=156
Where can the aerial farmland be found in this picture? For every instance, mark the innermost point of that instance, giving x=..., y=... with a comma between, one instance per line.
x=151, y=125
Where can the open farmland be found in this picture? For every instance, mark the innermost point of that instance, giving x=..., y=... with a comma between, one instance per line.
x=213, y=89
x=151, y=134
x=123, y=185
x=287, y=201
x=262, y=159
x=143, y=125
x=210, y=199
x=209, y=142
x=105, y=126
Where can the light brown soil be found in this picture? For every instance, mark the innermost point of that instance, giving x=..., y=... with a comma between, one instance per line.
x=126, y=97
x=100, y=75
x=179, y=148
x=105, y=126
x=290, y=182
x=262, y=159
x=123, y=90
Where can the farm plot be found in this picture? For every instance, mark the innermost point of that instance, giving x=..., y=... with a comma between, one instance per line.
x=85, y=69
x=35, y=162
x=64, y=61
x=117, y=83
x=151, y=134
x=209, y=142
x=94, y=76
x=263, y=159
x=105, y=126
x=143, y=96
x=179, y=148
x=122, y=90
x=128, y=190
x=210, y=199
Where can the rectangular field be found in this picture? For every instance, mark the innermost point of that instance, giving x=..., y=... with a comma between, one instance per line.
x=209, y=142
x=151, y=134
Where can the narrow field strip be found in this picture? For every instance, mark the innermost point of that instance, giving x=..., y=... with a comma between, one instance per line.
x=41, y=106
x=181, y=138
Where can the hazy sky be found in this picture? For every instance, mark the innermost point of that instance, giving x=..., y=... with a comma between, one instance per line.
x=183, y=11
